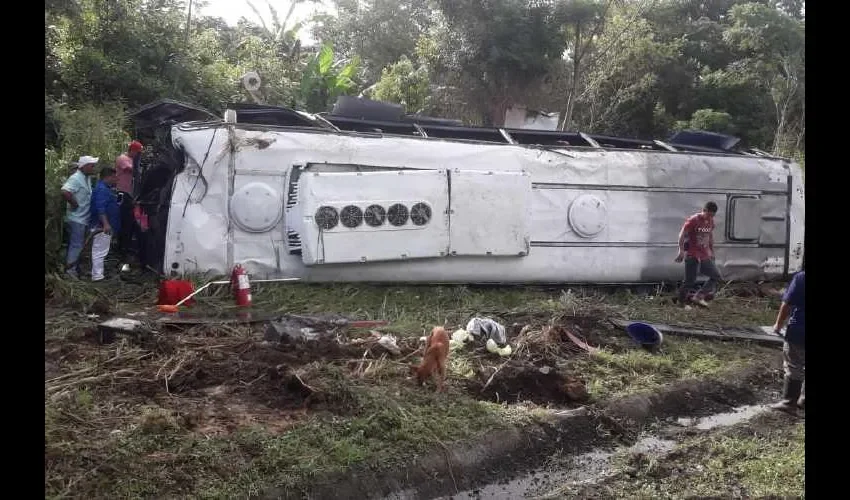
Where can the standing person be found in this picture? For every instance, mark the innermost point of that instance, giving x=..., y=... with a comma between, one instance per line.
x=77, y=194
x=793, y=310
x=105, y=220
x=696, y=248
x=124, y=166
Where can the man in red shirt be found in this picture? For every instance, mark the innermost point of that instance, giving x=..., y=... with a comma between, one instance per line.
x=696, y=248
x=124, y=165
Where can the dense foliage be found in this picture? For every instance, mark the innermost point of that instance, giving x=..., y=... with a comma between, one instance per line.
x=640, y=68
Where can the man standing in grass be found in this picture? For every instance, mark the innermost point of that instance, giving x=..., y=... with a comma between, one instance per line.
x=124, y=166
x=696, y=248
x=793, y=310
x=105, y=220
x=77, y=194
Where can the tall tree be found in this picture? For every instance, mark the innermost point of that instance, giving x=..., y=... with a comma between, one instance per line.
x=771, y=44
x=380, y=32
x=405, y=84
x=503, y=46
x=584, y=20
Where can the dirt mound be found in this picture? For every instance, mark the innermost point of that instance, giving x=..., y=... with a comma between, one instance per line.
x=556, y=340
x=274, y=376
x=518, y=381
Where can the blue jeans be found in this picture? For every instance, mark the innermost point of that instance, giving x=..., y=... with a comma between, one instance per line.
x=76, y=239
x=693, y=267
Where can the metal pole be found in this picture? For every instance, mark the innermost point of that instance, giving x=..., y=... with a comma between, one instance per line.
x=188, y=23
x=185, y=47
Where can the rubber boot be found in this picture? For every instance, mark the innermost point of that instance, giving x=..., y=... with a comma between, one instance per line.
x=790, y=395
x=801, y=403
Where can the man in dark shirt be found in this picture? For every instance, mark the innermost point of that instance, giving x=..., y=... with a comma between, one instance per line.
x=696, y=248
x=793, y=310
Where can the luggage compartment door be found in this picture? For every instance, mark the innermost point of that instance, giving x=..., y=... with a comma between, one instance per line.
x=490, y=213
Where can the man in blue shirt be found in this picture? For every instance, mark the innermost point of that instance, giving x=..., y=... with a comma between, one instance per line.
x=793, y=310
x=105, y=220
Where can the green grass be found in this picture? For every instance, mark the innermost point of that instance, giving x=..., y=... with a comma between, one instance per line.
x=102, y=439
x=415, y=307
x=618, y=374
x=764, y=457
x=390, y=424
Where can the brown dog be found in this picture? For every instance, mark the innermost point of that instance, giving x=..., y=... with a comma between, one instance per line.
x=434, y=360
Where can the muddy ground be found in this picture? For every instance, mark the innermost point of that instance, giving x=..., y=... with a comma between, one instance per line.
x=216, y=411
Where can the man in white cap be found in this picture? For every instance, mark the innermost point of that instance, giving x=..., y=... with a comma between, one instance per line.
x=77, y=193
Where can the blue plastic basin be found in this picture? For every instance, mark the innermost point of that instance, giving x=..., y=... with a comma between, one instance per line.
x=644, y=334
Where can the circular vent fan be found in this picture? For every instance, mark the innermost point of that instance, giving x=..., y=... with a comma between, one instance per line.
x=397, y=214
x=420, y=214
x=351, y=216
x=375, y=215
x=326, y=218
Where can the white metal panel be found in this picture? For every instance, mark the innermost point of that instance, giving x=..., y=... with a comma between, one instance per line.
x=367, y=243
x=260, y=255
x=773, y=229
x=490, y=213
x=197, y=232
x=797, y=219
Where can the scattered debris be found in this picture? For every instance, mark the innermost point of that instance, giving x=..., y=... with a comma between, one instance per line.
x=495, y=349
x=461, y=335
x=125, y=326
x=459, y=339
x=484, y=329
x=579, y=342
x=294, y=328
x=554, y=340
x=190, y=319
x=516, y=380
x=290, y=331
x=754, y=334
x=645, y=334
x=388, y=342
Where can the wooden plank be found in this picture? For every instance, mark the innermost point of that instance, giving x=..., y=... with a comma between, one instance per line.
x=216, y=320
x=248, y=317
x=761, y=334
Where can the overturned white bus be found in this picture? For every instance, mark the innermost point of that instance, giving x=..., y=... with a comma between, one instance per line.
x=372, y=195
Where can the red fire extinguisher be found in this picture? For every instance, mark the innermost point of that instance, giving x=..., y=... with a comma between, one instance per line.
x=241, y=286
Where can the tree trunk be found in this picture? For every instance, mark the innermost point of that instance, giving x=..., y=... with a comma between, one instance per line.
x=498, y=109
x=571, y=98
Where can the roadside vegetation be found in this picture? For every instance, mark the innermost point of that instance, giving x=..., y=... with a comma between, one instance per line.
x=207, y=410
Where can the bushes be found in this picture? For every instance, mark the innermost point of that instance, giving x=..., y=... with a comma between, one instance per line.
x=89, y=130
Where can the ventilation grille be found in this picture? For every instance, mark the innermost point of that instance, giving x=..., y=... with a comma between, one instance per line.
x=375, y=215
x=397, y=214
x=327, y=218
x=420, y=214
x=351, y=216
x=292, y=191
x=293, y=242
